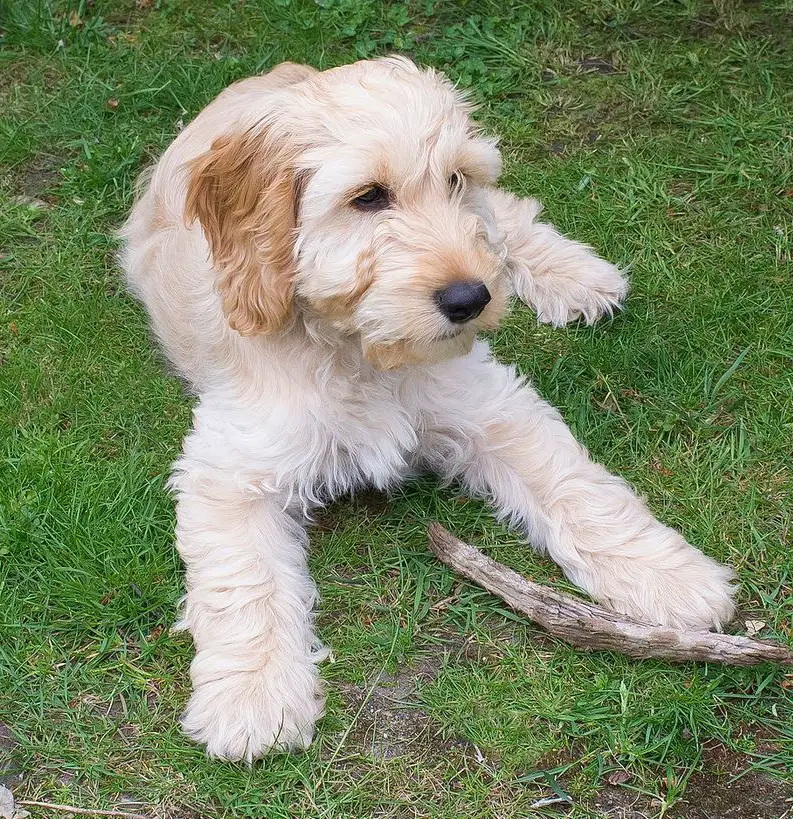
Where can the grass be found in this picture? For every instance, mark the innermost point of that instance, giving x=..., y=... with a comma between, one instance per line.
x=661, y=133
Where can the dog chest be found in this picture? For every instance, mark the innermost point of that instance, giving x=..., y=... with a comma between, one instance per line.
x=369, y=438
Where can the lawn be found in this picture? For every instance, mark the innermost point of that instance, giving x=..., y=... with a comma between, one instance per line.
x=660, y=132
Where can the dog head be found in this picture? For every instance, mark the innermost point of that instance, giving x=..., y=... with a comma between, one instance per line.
x=357, y=197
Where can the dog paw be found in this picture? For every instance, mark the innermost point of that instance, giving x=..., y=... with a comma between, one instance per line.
x=243, y=715
x=683, y=588
x=588, y=290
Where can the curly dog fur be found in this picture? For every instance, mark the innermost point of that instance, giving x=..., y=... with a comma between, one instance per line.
x=317, y=252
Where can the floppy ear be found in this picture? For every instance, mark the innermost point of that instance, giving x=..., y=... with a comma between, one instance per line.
x=244, y=193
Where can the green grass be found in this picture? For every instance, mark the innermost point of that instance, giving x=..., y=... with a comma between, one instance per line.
x=674, y=153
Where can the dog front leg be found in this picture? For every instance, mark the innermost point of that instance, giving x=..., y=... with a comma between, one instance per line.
x=505, y=443
x=561, y=279
x=249, y=609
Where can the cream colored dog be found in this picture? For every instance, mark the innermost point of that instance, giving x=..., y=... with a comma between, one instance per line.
x=317, y=252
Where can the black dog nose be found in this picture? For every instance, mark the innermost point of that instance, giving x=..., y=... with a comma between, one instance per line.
x=462, y=301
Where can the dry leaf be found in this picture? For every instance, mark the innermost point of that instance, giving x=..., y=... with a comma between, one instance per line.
x=617, y=778
x=608, y=403
x=754, y=627
x=112, y=103
x=75, y=20
x=656, y=465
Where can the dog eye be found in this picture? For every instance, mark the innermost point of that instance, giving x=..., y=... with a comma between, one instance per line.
x=456, y=182
x=374, y=198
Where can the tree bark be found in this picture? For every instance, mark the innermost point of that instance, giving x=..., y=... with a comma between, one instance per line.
x=591, y=627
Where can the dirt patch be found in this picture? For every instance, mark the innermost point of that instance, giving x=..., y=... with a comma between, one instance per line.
x=390, y=721
x=11, y=76
x=114, y=709
x=597, y=65
x=10, y=769
x=735, y=18
x=621, y=803
x=126, y=13
x=38, y=177
x=177, y=812
x=715, y=792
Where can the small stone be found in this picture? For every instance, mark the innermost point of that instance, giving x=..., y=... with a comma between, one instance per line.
x=6, y=803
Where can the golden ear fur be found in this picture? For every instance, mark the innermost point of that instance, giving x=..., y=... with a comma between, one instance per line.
x=243, y=191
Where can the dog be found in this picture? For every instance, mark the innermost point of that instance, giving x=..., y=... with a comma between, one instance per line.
x=317, y=252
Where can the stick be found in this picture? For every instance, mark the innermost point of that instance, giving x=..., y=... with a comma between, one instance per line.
x=71, y=809
x=591, y=627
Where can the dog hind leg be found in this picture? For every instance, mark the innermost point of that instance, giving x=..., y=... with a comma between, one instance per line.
x=496, y=434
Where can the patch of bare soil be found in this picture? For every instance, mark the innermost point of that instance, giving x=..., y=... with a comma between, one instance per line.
x=10, y=770
x=391, y=723
x=621, y=803
x=716, y=794
x=713, y=793
x=38, y=177
x=740, y=19
x=177, y=812
x=597, y=65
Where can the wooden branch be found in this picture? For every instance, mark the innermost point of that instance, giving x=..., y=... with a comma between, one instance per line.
x=31, y=803
x=591, y=627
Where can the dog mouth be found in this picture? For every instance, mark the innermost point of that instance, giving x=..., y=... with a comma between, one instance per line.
x=447, y=335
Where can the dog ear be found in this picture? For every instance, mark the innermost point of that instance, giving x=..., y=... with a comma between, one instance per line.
x=244, y=192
